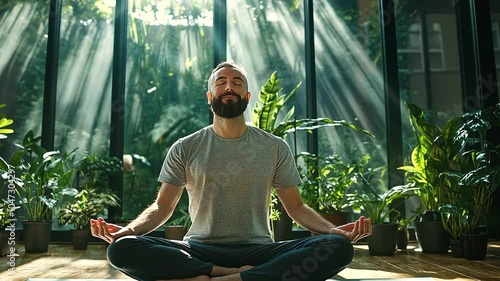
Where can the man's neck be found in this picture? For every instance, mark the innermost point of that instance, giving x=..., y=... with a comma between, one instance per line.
x=229, y=128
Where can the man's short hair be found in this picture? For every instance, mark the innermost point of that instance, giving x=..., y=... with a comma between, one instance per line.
x=230, y=64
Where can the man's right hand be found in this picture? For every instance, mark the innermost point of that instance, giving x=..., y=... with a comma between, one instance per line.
x=107, y=231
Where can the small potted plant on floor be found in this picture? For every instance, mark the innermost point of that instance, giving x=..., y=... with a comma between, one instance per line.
x=91, y=195
x=381, y=208
x=87, y=204
x=404, y=222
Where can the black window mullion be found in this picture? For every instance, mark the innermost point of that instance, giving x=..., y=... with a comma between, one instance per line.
x=392, y=96
x=310, y=64
x=51, y=68
x=117, y=131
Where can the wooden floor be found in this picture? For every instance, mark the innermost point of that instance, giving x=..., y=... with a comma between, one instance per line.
x=62, y=262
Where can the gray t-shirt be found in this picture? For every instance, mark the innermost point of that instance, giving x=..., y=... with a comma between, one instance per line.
x=229, y=182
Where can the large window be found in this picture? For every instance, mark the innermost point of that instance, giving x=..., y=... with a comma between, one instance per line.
x=430, y=73
x=84, y=79
x=170, y=55
x=350, y=83
x=23, y=42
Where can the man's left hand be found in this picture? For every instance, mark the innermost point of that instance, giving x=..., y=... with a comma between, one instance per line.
x=354, y=231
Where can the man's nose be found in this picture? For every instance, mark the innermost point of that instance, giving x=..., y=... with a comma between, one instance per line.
x=229, y=86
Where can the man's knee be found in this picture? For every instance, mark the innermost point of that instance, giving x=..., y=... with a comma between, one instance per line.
x=119, y=252
x=335, y=248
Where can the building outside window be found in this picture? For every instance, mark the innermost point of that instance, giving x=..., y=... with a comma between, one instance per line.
x=413, y=52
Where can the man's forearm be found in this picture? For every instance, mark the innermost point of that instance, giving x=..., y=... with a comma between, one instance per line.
x=311, y=220
x=149, y=220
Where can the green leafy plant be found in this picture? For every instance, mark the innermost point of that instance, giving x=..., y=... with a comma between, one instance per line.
x=6, y=213
x=326, y=181
x=382, y=207
x=267, y=110
x=454, y=168
x=182, y=218
x=378, y=207
x=42, y=177
x=93, y=171
x=405, y=221
x=481, y=175
x=271, y=103
x=434, y=154
x=92, y=194
x=4, y=122
x=454, y=220
x=87, y=204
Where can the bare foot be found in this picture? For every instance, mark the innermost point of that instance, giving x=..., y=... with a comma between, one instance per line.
x=246, y=267
x=231, y=277
x=223, y=271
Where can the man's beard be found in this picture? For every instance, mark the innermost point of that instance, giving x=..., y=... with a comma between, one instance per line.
x=229, y=108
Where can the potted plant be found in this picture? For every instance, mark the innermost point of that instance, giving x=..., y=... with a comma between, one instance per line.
x=265, y=116
x=403, y=226
x=90, y=196
x=434, y=154
x=87, y=204
x=326, y=184
x=381, y=208
x=481, y=177
x=42, y=177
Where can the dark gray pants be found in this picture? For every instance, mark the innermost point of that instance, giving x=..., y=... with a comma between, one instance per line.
x=314, y=258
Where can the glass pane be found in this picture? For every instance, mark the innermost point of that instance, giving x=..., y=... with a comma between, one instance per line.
x=436, y=60
x=170, y=56
x=350, y=83
x=276, y=43
x=84, y=79
x=427, y=90
x=23, y=44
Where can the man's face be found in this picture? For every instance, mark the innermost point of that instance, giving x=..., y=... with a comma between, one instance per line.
x=229, y=94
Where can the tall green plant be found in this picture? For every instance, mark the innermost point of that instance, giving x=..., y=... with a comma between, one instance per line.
x=41, y=177
x=435, y=153
x=271, y=103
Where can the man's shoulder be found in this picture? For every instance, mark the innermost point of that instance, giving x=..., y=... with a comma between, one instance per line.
x=264, y=134
x=195, y=136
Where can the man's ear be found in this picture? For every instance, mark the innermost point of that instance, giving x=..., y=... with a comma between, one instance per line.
x=209, y=96
x=249, y=95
